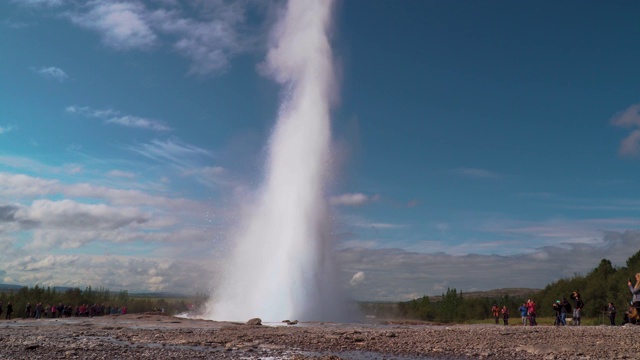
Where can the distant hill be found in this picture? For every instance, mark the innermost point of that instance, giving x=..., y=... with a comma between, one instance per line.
x=495, y=293
x=7, y=287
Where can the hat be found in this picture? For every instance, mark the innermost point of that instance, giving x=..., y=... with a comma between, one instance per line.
x=558, y=301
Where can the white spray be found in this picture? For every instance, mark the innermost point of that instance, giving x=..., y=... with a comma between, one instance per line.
x=282, y=266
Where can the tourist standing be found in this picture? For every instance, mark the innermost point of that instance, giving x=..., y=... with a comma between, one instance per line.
x=531, y=312
x=9, y=310
x=523, y=312
x=635, y=290
x=612, y=314
x=578, y=304
x=557, y=308
x=565, y=308
x=505, y=315
x=38, y=310
x=27, y=311
x=495, y=310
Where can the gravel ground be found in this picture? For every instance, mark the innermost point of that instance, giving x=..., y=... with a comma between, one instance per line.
x=150, y=336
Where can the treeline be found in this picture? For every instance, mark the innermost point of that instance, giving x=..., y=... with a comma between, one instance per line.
x=75, y=296
x=602, y=285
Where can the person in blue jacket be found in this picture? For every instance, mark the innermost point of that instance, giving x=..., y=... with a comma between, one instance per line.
x=523, y=312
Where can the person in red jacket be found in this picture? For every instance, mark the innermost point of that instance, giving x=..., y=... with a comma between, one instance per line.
x=495, y=310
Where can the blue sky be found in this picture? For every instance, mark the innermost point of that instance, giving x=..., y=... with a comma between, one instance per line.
x=477, y=145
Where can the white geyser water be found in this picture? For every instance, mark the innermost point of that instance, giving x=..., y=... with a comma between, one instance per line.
x=282, y=265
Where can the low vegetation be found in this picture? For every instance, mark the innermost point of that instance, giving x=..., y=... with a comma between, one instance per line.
x=74, y=296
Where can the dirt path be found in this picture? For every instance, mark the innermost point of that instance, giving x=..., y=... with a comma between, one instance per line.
x=138, y=336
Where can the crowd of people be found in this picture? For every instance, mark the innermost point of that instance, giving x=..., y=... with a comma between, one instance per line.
x=573, y=307
x=62, y=311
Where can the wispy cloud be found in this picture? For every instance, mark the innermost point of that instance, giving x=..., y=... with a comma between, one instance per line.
x=208, y=40
x=122, y=25
x=174, y=151
x=629, y=119
x=17, y=25
x=477, y=173
x=378, y=225
x=138, y=122
x=111, y=116
x=5, y=129
x=49, y=3
x=51, y=72
x=353, y=199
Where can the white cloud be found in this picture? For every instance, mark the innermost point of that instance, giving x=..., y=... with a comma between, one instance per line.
x=357, y=278
x=20, y=186
x=51, y=72
x=122, y=25
x=630, y=118
x=353, y=199
x=137, y=122
x=68, y=214
x=394, y=274
x=111, y=116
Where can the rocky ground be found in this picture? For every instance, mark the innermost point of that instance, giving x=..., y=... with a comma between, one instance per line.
x=152, y=336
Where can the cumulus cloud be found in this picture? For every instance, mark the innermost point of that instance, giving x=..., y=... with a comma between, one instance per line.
x=395, y=274
x=111, y=116
x=21, y=186
x=629, y=119
x=113, y=272
x=66, y=214
x=353, y=199
x=51, y=72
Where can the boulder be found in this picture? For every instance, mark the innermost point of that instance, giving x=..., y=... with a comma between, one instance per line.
x=254, y=321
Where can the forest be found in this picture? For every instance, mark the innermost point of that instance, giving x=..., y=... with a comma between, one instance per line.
x=604, y=284
x=75, y=296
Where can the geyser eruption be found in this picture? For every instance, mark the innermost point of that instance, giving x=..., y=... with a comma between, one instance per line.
x=282, y=266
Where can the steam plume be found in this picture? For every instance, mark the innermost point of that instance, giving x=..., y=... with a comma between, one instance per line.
x=282, y=267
